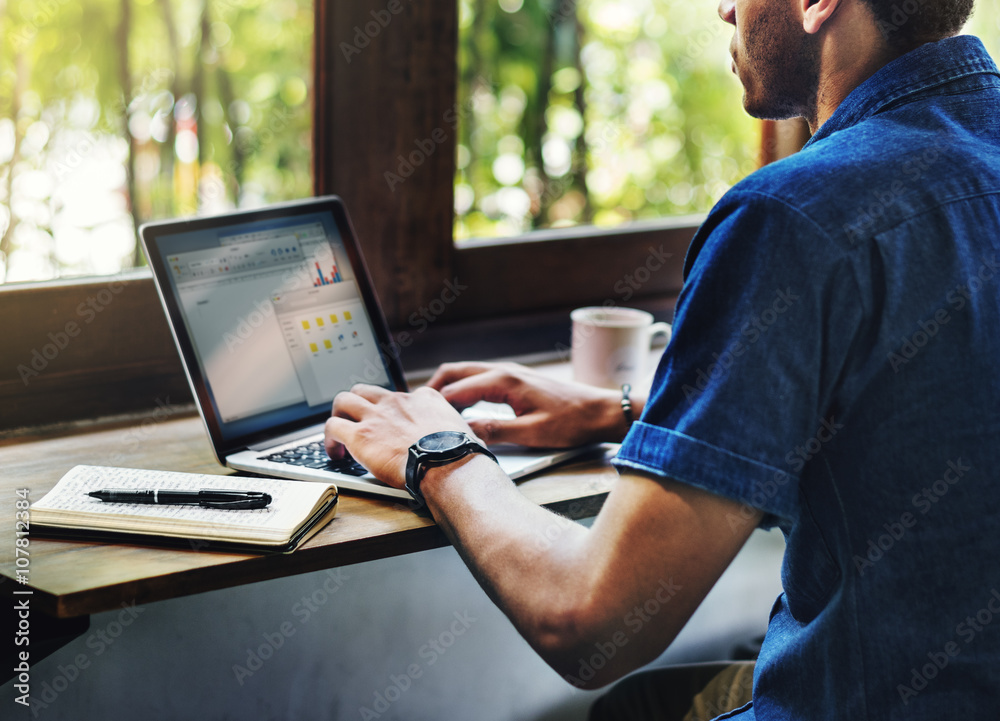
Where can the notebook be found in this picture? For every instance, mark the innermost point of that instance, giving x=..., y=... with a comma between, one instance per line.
x=274, y=313
x=296, y=512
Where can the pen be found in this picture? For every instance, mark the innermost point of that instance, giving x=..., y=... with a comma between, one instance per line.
x=206, y=498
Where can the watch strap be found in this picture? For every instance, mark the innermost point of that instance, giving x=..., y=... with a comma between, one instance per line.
x=417, y=463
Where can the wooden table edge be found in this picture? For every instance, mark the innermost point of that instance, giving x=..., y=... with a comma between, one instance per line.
x=264, y=567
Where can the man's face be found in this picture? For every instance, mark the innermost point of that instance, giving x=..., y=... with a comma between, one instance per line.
x=775, y=59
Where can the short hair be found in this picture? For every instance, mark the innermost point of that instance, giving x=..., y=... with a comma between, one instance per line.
x=905, y=24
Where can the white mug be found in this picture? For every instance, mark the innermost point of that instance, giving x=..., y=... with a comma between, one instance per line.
x=611, y=346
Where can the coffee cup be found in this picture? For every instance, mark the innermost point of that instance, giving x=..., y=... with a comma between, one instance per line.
x=611, y=346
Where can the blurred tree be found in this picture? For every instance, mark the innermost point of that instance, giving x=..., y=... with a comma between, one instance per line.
x=114, y=112
x=600, y=111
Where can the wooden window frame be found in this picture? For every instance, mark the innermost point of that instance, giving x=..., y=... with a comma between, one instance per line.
x=374, y=106
x=403, y=89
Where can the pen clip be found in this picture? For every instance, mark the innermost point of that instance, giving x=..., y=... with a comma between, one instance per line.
x=246, y=503
x=235, y=500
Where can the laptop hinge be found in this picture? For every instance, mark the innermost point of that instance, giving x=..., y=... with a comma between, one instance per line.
x=287, y=438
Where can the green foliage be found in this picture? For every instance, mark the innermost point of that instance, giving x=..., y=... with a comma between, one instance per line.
x=638, y=115
x=98, y=135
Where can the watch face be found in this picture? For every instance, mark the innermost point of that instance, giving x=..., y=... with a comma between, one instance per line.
x=442, y=441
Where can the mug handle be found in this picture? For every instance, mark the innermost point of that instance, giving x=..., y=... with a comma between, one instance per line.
x=660, y=329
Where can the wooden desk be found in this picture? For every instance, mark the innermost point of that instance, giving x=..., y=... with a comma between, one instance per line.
x=71, y=579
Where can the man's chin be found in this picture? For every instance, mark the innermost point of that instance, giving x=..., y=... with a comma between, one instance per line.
x=764, y=110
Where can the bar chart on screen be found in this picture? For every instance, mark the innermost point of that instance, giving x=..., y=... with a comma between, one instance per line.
x=333, y=276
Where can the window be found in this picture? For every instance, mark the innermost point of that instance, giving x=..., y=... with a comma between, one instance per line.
x=387, y=123
x=115, y=112
x=597, y=111
x=393, y=154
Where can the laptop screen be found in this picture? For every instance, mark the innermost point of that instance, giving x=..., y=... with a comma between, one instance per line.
x=273, y=313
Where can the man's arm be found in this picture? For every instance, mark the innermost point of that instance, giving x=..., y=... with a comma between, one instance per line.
x=619, y=591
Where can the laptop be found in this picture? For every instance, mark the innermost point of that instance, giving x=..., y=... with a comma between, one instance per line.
x=274, y=313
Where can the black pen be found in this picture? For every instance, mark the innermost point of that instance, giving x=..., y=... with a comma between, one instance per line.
x=206, y=498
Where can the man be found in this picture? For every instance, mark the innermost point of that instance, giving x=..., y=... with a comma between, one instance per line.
x=844, y=305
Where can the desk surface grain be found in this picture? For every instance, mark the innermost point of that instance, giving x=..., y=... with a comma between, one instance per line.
x=75, y=578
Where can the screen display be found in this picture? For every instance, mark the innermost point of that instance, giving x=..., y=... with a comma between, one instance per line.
x=275, y=315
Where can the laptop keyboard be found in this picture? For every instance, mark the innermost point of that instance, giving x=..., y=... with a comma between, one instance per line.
x=313, y=455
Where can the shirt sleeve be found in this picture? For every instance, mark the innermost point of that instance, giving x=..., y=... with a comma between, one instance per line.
x=762, y=328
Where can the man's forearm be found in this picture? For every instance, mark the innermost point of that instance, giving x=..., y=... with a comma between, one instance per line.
x=570, y=590
x=523, y=555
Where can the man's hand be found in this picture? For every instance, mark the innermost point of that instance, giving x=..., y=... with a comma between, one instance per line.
x=550, y=413
x=378, y=426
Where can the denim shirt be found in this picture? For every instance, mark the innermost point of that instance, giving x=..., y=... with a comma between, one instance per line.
x=835, y=363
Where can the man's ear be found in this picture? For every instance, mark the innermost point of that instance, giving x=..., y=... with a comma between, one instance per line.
x=816, y=12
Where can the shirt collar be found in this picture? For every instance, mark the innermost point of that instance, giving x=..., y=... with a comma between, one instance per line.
x=928, y=66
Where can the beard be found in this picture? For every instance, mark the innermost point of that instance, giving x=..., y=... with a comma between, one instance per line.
x=779, y=67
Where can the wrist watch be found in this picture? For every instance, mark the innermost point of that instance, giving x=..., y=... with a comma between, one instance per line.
x=438, y=449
